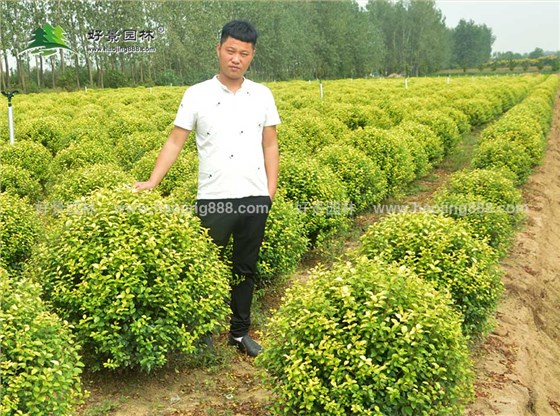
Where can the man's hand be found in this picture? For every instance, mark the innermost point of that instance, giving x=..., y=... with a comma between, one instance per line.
x=271, y=156
x=143, y=186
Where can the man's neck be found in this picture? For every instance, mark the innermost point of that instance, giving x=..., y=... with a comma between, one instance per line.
x=231, y=84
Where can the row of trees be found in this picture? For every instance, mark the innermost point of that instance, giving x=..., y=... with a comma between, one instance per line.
x=172, y=42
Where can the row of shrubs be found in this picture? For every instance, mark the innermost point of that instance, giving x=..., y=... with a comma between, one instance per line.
x=134, y=123
x=388, y=331
x=340, y=158
x=335, y=163
x=114, y=263
x=517, y=141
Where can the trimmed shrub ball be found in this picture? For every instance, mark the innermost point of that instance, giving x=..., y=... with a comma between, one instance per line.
x=367, y=338
x=135, y=277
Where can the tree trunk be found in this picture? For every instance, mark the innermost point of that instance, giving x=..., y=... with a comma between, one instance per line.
x=21, y=75
x=76, y=63
x=6, y=82
x=132, y=72
x=2, y=86
x=37, y=67
x=52, y=72
x=90, y=72
x=41, y=70
x=61, y=60
x=100, y=83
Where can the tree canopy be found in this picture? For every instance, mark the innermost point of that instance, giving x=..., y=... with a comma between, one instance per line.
x=116, y=43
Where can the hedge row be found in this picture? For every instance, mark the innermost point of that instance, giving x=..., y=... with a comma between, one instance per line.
x=517, y=140
x=369, y=138
x=359, y=338
x=373, y=147
x=123, y=126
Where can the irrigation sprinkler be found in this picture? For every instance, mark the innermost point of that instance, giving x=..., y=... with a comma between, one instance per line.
x=9, y=95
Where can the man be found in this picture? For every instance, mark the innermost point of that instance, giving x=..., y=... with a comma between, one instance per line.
x=235, y=121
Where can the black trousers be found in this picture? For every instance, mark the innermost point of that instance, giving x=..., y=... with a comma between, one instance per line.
x=244, y=219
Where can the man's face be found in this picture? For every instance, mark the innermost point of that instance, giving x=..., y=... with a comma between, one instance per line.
x=234, y=57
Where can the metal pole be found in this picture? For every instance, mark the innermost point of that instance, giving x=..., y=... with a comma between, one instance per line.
x=11, y=122
x=9, y=95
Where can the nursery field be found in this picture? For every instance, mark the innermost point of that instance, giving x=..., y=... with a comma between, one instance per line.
x=409, y=265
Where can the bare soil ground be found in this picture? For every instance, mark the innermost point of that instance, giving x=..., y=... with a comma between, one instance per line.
x=518, y=365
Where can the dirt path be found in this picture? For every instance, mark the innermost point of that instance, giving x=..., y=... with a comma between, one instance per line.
x=518, y=367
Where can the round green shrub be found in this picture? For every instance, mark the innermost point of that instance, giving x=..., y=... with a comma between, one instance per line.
x=486, y=220
x=365, y=182
x=39, y=360
x=444, y=252
x=478, y=110
x=20, y=229
x=418, y=150
x=80, y=182
x=389, y=150
x=82, y=130
x=305, y=132
x=441, y=124
x=460, y=119
x=495, y=186
x=130, y=148
x=520, y=129
x=356, y=116
x=80, y=154
x=502, y=153
x=124, y=123
x=28, y=155
x=44, y=129
x=393, y=108
x=431, y=143
x=19, y=181
x=353, y=116
x=317, y=191
x=507, y=97
x=136, y=278
x=284, y=244
x=495, y=104
x=378, y=117
x=367, y=338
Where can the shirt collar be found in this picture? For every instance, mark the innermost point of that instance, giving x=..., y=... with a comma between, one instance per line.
x=243, y=89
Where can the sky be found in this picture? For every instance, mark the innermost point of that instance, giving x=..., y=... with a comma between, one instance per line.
x=518, y=25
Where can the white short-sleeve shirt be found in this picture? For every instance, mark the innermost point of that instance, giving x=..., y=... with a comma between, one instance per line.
x=229, y=130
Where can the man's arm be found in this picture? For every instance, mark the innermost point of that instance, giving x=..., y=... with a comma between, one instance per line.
x=271, y=158
x=167, y=156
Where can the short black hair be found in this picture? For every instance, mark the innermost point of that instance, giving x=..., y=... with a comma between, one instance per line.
x=240, y=30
